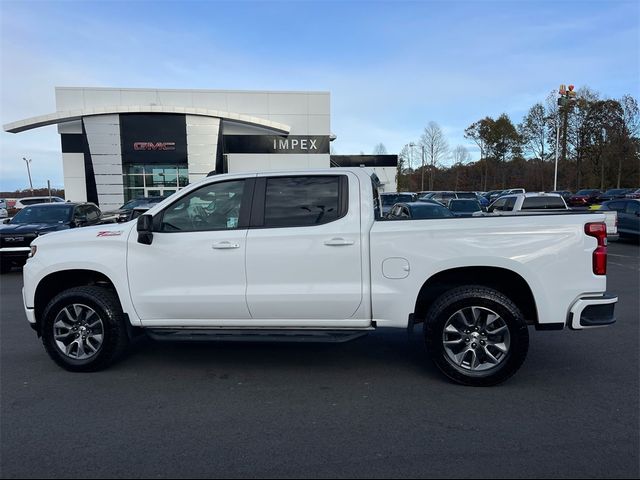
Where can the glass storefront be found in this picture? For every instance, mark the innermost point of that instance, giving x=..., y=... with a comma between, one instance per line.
x=153, y=180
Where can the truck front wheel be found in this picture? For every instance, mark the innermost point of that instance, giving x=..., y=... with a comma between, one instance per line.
x=476, y=335
x=84, y=329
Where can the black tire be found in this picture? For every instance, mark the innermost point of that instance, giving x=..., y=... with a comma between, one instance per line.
x=453, y=301
x=114, y=328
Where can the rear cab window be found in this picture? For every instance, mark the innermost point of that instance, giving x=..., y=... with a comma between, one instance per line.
x=543, y=203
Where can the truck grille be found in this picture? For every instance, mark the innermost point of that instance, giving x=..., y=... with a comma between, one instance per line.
x=8, y=241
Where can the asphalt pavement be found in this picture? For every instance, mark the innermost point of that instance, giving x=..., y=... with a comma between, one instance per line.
x=374, y=407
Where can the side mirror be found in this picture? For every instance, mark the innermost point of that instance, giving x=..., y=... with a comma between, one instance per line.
x=145, y=229
x=6, y=220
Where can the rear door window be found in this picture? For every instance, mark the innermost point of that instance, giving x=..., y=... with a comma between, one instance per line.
x=304, y=201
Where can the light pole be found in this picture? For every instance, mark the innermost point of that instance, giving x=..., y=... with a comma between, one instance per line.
x=29, y=173
x=422, y=181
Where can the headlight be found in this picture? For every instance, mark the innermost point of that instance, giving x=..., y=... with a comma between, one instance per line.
x=33, y=251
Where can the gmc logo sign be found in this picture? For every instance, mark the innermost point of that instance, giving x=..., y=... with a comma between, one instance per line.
x=154, y=146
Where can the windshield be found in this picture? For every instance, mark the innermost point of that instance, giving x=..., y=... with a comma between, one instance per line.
x=393, y=198
x=585, y=192
x=615, y=191
x=43, y=214
x=131, y=204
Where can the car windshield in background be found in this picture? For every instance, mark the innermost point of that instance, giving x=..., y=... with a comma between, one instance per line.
x=467, y=195
x=392, y=199
x=131, y=204
x=585, y=192
x=43, y=214
x=464, y=206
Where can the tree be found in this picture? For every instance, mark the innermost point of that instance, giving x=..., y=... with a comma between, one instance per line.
x=460, y=156
x=380, y=149
x=602, y=131
x=435, y=149
x=479, y=133
x=630, y=134
x=534, y=132
x=503, y=142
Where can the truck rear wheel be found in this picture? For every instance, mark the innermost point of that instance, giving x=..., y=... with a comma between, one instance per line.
x=84, y=329
x=476, y=335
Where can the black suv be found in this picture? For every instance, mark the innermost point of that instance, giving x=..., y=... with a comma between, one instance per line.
x=17, y=234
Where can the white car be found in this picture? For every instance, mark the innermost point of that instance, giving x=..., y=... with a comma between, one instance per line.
x=305, y=255
x=537, y=203
x=527, y=202
x=4, y=213
x=27, y=201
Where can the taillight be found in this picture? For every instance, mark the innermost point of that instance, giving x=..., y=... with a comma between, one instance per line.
x=599, y=231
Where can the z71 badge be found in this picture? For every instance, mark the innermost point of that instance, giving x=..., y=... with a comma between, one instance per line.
x=110, y=233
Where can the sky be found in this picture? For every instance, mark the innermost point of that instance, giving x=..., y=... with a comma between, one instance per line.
x=391, y=67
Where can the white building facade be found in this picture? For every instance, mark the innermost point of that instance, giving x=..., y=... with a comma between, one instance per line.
x=121, y=143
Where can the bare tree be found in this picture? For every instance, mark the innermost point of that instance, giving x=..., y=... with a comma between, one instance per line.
x=460, y=156
x=435, y=148
x=380, y=149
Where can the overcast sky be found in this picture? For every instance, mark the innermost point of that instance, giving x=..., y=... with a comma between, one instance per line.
x=391, y=67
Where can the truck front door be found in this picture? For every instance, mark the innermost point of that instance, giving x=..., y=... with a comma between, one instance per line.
x=195, y=267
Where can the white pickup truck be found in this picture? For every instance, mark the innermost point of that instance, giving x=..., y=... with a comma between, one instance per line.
x=305, y=255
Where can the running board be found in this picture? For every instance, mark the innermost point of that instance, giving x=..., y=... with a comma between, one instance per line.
x=255, y=335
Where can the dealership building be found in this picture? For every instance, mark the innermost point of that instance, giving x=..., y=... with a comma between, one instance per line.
x=119, y=144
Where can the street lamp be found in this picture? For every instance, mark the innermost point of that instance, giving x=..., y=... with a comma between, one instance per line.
x=421, y=146
x=29, y=173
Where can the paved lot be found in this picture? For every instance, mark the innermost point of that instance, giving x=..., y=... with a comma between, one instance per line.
x=371, y=408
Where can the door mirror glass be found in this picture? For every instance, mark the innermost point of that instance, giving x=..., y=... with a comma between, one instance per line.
x=145, y=229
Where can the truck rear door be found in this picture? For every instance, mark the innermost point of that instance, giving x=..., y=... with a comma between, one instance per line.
x=304, y=249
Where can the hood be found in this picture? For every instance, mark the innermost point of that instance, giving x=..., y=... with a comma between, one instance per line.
x=101, y=233
x=27, y=228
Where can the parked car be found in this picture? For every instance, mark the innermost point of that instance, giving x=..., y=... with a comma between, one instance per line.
x=3, y=212
x=633, y=194
x=34, y=221
x=390, y=199
x=124, y=213
x=418, y=211
x=442, y=197
x=628, y=216
x=26, y=201
x=492, y=195
x=537, y=203
x=299, y=255
x=509, y=204
x=464, y=207
x=584, y=198
x=613, y=194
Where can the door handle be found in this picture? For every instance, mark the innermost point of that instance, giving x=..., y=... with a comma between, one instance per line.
x=338, y=242
x=225, y=245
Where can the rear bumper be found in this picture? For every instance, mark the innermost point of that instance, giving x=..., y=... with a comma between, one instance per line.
x=591, y=312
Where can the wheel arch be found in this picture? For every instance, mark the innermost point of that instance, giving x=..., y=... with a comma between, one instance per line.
x=506, y=281
x=57, y=282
